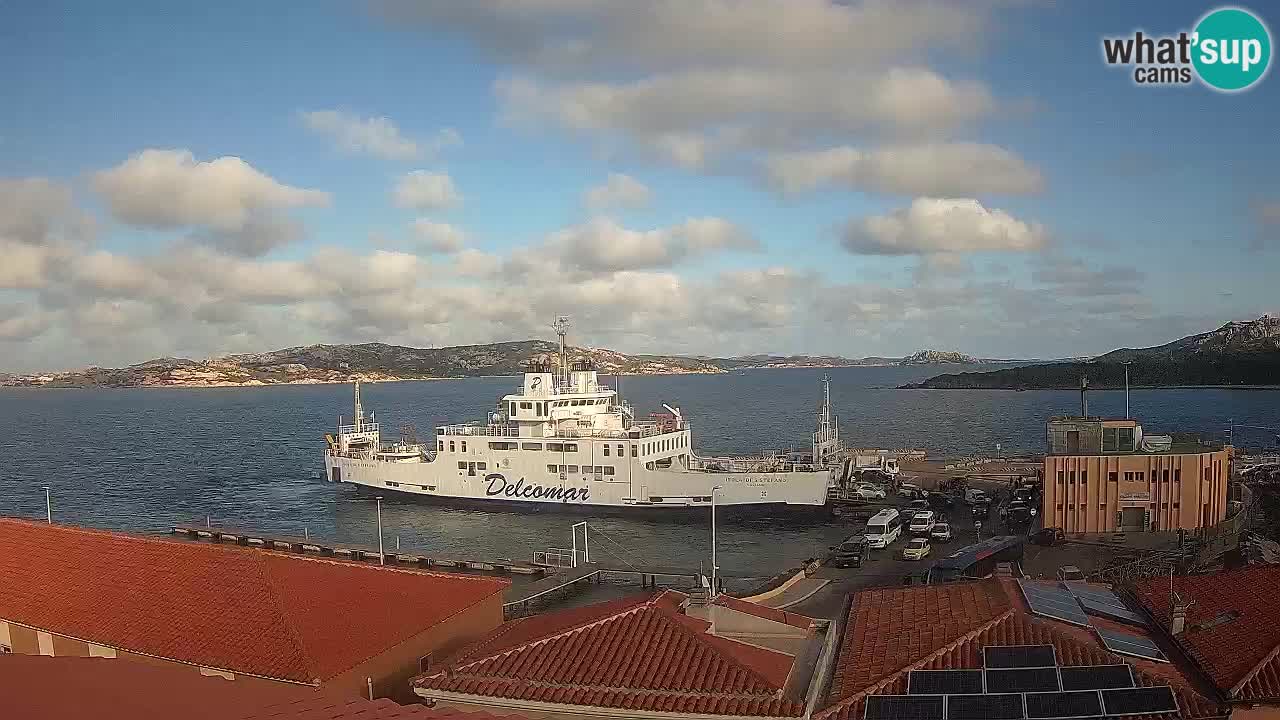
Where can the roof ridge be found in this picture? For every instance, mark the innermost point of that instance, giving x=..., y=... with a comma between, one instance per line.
x=625, y=610
x=286, y=619
x=615, y=688
x=700, y=638
x=1253, y=672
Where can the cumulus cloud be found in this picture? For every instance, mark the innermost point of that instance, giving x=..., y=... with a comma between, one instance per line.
x=602, y=245
x=935, y=225
x=957, y=169
x=170, y=189
x=618, y=191
x=375, y=135
x=437, y=237
x=422, y=190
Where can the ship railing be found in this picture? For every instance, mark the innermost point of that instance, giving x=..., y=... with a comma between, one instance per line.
x=556, y=558
x=562, y=388
x=636, y=431
x=749, y=464
x=363, y=427
x=482, y=430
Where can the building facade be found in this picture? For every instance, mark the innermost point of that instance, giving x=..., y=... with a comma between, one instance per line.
x=1103, y=475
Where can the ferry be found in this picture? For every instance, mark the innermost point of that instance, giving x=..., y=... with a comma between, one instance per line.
x=563, y=439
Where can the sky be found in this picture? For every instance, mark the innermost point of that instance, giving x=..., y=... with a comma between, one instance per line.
x=715, y=177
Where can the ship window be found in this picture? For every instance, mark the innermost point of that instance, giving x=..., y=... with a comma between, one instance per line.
x=482, y=465
x=571, y=447
x=606, y=449
x=440, y=445
x=654, y=498
x=450, y=446
x=570, y=468
x=531, y=446
x=513, y=408
x=1109, y=439
x=502, y=445
x=428, y=487
x=392, y=484
x=462, y=465
x=633, y=451
x=526, y=406
x=622, y=450
x=551, y=468
x=608, y=469
x=555, y=447
x=464, y=446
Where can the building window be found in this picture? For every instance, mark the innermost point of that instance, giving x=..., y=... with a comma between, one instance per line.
x=451, y=446
x=464, y=446
x=1071, y=478
x=606, y=449
x=1102, y=506
x=1176, y=506
x=608, y=469
x=571, y=447
x=1059, y=506
x=1109, y=441
x=1164, y=506
x=462, y=464
x=1165, y=476
x=513, y=409
x=552, y=469
x=1128, y=477
x=1177, y=475
x=526, y=406
x=1113, y=476
x=633, y=450
x=1084, y=476
x=1124, y=438
x=622, y=450
x=1062, y=477
x=482, y=465
x=1141, y=476
x=440, y=446
x=1071, y=506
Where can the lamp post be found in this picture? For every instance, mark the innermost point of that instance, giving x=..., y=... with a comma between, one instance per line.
x=714, y=567
x=1126, y=389
x=382, y=557
x=48, y=505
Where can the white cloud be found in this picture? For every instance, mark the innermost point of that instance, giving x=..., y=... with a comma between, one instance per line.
x=437, y=237
x=935, y=225
x=602, y=245
x=23, y=265
x=378, y=136
x=19, y=323
x=957, y=169
x=618, y=191
x=422, y=190
x=170, y=189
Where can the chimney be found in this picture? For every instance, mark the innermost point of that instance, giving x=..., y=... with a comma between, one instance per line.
x=1084, y=396
x=1179, y=622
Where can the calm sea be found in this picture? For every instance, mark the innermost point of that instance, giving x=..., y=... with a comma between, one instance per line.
x=143, y=459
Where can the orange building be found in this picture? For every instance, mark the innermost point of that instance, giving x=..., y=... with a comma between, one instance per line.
x=242, y=614
x=1103, y=475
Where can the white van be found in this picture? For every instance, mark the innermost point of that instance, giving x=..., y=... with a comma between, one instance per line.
x=922, y=522
x=883, y=529
x=974, y=495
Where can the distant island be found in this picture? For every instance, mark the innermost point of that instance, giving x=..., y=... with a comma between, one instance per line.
x=1238, y=353
x=315, y=364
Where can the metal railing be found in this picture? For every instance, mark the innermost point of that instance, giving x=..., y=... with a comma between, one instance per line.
x=363, y=427
x=480, y=430
x=749, y=464
x=555, y=557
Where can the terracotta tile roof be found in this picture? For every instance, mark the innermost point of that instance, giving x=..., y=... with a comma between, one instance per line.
x=873, y=662
x=247, y=611
x=1232, y=628
x=637, y=653
x=35, y=687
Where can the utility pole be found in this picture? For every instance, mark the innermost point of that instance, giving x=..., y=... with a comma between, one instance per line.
x=714, y=567
x=48, y=505
x=382, y=557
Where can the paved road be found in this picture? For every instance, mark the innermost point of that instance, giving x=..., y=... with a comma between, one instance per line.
x=885, y=567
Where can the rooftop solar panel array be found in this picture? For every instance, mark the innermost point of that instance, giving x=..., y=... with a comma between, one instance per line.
x=1077, y=704
x=944, y=682
x=1132, y=645
x=1054, y=602
x=1096, y=677
x=1019, y=656
x=1101, y=601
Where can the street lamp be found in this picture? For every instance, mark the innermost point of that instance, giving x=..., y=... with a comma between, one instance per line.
x=48, y=505
x=382, y=557
x=714, y=568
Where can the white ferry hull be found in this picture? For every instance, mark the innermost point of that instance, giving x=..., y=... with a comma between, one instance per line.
x=633, y=487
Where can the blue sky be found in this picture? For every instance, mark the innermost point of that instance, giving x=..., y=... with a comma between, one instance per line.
x=1085, y=213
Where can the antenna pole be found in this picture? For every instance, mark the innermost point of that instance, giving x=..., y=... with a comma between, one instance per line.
x=561, y=326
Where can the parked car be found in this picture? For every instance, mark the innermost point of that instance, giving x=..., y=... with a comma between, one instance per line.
x=918, y=506
x=973, y=496
x=916, y=549
x=941, y=532
x=850, y=552
x=1070, y=572
x=867, y=491
x=1049, y=536
x=908, y=490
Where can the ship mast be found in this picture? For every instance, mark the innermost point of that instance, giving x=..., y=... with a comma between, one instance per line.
x=561, y=326
x=359, y=409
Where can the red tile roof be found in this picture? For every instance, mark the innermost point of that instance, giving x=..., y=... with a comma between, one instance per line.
x=35, y=687
x=246, y=611
x=639, y=653
x=1232, y=628
x=945, y=627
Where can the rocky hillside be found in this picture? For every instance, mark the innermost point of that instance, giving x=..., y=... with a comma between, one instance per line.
x=1238, y=353
x=937, y=357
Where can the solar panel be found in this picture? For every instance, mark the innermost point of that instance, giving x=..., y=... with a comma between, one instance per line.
x=985, y=707
x=904, y=707
x=1019, y=656
x=1096, y=677
x=1078, y=704
x=1103, y=602
x=1053, y=602
x=1133, y=645
x=1016, y=680
x=944, y=682
x=1140, y=701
